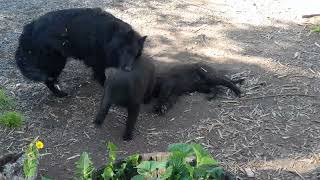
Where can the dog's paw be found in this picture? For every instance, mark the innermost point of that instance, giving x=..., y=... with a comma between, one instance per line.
x=160, y=109
x=127, y=137
x=60, y=94
x=99, y=120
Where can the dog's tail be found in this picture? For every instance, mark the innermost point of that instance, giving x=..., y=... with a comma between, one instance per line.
x=25, y=58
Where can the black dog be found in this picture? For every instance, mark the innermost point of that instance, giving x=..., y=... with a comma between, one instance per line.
x=129, y=90
x=187, y=78
x=92, y=35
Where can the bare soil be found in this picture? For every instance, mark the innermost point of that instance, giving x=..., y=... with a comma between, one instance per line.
x=272, y=131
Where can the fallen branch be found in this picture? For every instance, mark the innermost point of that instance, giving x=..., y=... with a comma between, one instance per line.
x=278, y=95
x=310, y=15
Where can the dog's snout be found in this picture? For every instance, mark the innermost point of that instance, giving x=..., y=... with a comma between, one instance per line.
x=127, y=68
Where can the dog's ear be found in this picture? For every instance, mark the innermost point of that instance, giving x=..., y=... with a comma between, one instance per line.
x=142, y=40
x=130, y=34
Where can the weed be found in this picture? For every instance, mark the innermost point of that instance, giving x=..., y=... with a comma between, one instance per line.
x=316, y=29
x=5, y=101
x=11, y=119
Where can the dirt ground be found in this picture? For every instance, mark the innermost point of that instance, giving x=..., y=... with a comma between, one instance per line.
x=272, y=131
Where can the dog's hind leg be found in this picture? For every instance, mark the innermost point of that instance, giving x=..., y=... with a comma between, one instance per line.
x=98, y=74
x=217, y=79
x=133, y=113
x=104, y=108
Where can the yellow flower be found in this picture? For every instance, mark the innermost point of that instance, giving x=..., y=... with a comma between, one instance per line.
x=39, y=144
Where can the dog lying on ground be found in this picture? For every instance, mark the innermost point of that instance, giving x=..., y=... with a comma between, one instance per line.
x=187, y=78
x=92, y=35
x=129, y=90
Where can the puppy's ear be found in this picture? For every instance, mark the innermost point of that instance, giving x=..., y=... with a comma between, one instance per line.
x=142, y=40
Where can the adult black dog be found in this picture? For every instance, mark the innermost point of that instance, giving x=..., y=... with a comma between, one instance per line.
x=92, y=35
x=128, y=89
x=187, y=78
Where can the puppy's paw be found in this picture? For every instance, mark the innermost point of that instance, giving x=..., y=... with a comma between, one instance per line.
x=163, y=110
x=211, y=97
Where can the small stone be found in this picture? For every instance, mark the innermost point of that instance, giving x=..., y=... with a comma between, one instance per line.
x=249, y=172
x=296, y=55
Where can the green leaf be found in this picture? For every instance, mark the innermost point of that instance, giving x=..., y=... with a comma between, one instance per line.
x=216, y=172
x=133, y=159
x=45, y=178
x=107, y=173
x=84, y=167
x=138, y=177
x=145, y=168
x=167, y=173
x=30, y=163
x=208, y=160
x=112, y=152
x=186, y=149
x=203, y=156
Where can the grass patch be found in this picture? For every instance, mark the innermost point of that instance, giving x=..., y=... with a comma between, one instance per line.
x=5, y=101
x=316, y=29
x=11, y=119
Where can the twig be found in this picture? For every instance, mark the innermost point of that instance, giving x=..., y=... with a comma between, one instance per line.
x=277, y=95
x=296, y=172
x=72, y=157
x=310, y=15
x=86, y=135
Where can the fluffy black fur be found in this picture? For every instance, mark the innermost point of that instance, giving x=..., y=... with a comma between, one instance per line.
x=187, y=78
x=92, y=35
x=129, y=90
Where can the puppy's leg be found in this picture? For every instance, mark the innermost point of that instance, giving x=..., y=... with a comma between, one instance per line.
x=213, y=93
x=149, y=92
x=215, y=80
x=228, y=83
x=133, y=113
x=104, y=109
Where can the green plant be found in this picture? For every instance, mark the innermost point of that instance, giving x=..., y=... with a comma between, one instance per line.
x=31, y=159
x=11, y=119
x=186, y=161
x=177, y=166
x=5, y=101
x=315, y=28
x=119, y=171
x=84, y=167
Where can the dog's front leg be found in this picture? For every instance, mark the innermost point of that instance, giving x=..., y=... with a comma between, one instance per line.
x=54, y=88
x=133, y=113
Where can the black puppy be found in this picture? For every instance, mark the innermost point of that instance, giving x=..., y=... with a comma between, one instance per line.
x=187, y=78
x=92, y=35
x=129, y=90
